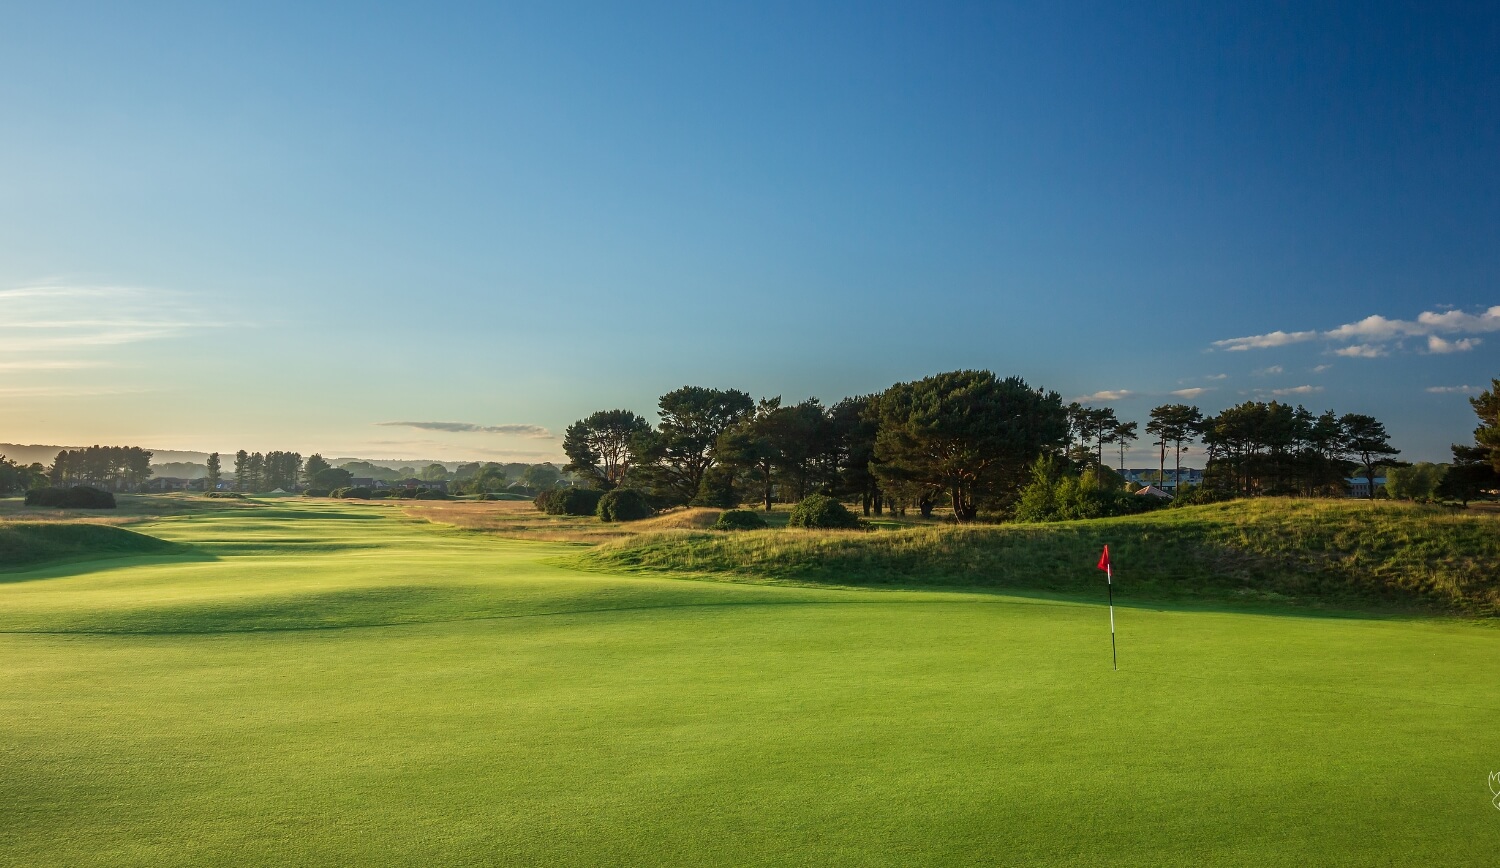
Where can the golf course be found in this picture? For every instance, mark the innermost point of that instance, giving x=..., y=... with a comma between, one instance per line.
x=307, y=681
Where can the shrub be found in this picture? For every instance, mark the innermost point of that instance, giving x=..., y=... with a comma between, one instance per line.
x=543, y=499
x=225, y=495
x=312, y=492
x=623, y=504
x=821, y=511
x=573, y=501
x=429, y=494
x=77, y=497
x=358, y=493
x=739, y=519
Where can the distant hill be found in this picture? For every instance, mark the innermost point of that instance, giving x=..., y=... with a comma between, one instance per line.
x=24, y=454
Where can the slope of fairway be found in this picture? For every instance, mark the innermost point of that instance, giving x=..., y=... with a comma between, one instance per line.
x=333, y=684
x=1343, y=553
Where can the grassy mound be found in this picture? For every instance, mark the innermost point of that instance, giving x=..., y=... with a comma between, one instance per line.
x=689, y=518
x=1338, y=551
x=27, y=544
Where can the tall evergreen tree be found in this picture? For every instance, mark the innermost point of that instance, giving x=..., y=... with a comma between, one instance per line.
x=211, y=480
x=1365, y=437
x=676, y=459
x=967, y=433
x=601, y=447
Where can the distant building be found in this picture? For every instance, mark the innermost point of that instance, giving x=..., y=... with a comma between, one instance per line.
x=1168, y=483
x=1360, y=486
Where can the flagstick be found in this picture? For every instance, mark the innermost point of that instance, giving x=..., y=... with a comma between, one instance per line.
x=1109, y=582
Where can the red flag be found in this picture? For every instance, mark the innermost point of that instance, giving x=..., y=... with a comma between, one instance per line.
x=1104, y=560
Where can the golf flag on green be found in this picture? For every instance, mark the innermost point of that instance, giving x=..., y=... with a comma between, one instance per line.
x=1109, y=582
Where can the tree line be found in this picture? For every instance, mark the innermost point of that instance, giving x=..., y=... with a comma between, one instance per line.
x=965, y=440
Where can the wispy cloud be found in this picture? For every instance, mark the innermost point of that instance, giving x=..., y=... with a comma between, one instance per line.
x=1217, y=377
x=48, y=365
x=1440, y=346
x=518, y=429
x=1266, y=372
x=1191, y=393
x=1318, y=369
x=1455, y=390
x=1260, y=342
x=1377, y=331
x=65, y=391
x=1104, y=396
x=1298, y=390
x=52, y=318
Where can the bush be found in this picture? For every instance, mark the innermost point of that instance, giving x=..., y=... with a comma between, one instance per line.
x=821, y=511
x=312, y=492
x=225, y=495
x=358, y=493
x=77, y=497
x=573, y=501
x=543, y=500
x=623, y=504
x=430, y=494
x=1055, y=495
x=739, y=519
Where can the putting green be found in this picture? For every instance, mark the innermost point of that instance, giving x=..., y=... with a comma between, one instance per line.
x=334, y=684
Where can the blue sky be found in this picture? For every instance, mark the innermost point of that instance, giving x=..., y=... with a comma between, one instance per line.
x=265, y=226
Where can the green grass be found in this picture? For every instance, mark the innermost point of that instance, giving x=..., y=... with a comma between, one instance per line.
x=1319, y=553
x=334, y=683
x=26, y=544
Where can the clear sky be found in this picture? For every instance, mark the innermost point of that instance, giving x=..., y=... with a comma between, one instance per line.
x=266, y=226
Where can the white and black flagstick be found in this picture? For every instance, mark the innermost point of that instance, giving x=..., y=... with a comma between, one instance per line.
x=1109, y=582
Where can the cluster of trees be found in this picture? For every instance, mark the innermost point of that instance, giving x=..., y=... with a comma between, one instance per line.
x=969, y=440
x=20, y=477
x=1274, y=448
x=111, y=468
x=964, y=437
x=256, y=472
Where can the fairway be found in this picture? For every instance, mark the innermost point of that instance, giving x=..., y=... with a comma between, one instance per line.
x=336, y=683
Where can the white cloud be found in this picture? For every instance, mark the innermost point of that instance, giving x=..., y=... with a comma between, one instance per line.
x=1361, y=351
x=1454, y=390
x=1105, y=396
x=1372, y=327
x=520, y=429
x=1440, y=346
x=1274, y=369
x=1217, y=377
x=1458, y=321
x=1259, y=342
x=1318, y=369
x=1376, y=331
x=1191, y=393
x=1298, y=390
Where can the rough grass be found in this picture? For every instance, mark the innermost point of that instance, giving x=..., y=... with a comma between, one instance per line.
x=1320, y=552
x=27, y=544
